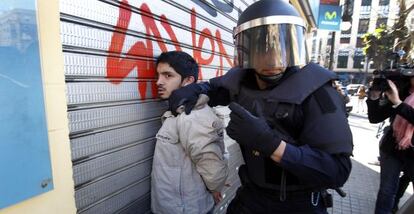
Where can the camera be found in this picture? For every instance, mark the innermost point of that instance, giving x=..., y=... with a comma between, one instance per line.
x=380, y=82
x=399, y=74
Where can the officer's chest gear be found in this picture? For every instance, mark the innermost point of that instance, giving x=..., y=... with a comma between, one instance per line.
x=287, y=109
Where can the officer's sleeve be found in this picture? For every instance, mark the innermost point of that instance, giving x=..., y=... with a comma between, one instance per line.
x=316, y=168
x=324, y=160
x=218, y=96
x=223, y=86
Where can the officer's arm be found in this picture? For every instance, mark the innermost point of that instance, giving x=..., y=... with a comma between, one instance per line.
x=312, y=166
x=187, y=96
x=218, y=96
x=324, y=159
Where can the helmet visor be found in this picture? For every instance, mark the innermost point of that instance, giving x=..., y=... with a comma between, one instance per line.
x=268, y=47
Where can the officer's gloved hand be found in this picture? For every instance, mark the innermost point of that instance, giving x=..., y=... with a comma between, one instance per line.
x=186, y=96
x=251, y=131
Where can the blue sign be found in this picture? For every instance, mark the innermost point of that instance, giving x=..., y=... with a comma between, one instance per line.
x=329, y=17
x=24, y=148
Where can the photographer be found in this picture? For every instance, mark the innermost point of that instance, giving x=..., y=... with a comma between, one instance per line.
x=396, y=154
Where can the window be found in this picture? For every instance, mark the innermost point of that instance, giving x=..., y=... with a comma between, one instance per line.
x=357, y=61
x=359, y=42
x=366, y=3
x=363, y=25
x=342, y=62
x=345, y=40
x=381, y=21
x=384, y=2
x=347, y=31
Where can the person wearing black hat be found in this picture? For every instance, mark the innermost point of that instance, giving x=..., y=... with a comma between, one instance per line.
x=288, y=119
x=396, y=153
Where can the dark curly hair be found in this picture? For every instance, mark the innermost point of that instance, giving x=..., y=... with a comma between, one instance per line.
x=182, y=63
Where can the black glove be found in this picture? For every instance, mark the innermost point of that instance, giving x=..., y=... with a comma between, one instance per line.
x=251, y=131
x=187, y=96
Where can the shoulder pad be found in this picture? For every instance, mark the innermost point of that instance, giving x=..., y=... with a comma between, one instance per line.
x=230, y=80
x=324, y=100
x=301, y=84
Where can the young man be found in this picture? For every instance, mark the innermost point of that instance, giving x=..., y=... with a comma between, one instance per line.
x=189, y=170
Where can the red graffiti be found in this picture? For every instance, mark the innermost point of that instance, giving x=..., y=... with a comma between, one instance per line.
x=140, y=55
x=222, y=52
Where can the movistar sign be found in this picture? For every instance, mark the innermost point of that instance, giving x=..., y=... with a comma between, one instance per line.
x=329, y=17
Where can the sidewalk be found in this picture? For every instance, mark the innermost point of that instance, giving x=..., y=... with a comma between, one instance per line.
x=361, y=190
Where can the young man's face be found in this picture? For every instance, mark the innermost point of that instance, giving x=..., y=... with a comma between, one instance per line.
x=168, y=80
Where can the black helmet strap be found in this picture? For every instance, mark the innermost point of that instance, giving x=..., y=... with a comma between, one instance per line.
x=272, y=80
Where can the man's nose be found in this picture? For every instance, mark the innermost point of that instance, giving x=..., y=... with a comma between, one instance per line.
x=159, y=81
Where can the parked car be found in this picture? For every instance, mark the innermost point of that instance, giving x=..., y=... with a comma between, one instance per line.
x=353, y=88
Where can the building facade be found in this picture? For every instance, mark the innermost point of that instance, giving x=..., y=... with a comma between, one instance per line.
x=349, y=60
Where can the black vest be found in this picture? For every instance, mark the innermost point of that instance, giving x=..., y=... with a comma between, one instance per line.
x=289, y=107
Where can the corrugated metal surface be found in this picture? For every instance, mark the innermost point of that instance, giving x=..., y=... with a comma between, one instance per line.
x=109, y=49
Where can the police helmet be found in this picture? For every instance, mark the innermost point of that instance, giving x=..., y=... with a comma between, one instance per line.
x=269, y=34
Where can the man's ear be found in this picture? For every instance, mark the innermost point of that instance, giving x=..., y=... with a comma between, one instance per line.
x=188, y=80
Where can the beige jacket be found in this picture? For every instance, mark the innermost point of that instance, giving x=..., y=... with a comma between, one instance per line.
x=188, y=161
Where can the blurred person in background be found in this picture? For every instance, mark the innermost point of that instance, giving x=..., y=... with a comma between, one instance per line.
x=396, y=152
x=345, y=97
x=361, y=97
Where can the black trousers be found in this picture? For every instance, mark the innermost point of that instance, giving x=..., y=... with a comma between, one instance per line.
x=250, y=199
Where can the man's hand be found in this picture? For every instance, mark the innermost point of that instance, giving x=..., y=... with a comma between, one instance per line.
x=392, y=94
x=186, y=96
x=217, y=197
x=251, y=131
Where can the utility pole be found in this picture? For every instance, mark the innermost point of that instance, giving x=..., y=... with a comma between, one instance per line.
x=331, y=54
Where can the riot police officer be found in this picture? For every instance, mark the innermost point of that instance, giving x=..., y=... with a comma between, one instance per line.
x=289, y=121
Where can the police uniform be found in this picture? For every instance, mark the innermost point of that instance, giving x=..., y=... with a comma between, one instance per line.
x=298, y=106
x=309, y=114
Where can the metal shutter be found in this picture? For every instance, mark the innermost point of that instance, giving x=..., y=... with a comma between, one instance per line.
x=109, y=48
